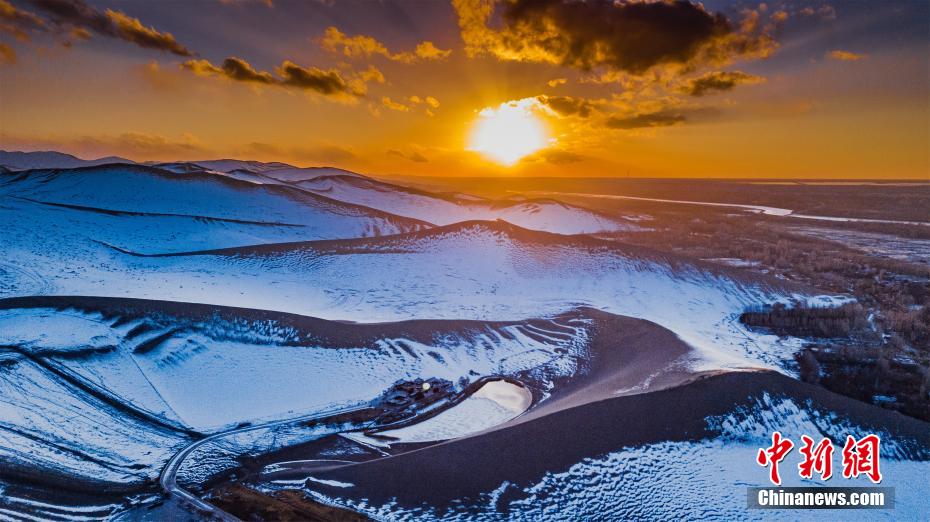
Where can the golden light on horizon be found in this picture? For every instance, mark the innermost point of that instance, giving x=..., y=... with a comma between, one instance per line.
x=508, y=133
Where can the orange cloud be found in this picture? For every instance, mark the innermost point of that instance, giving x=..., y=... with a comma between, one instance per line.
x=393, y=105
x=846, y=56
x=362, y=46
x=78, y=19
x=630, y=37
x=327, y=83
x=7, y=54
x=413, y=101
x=132, y=30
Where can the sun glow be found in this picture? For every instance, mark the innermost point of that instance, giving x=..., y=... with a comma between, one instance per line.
x=508, y=133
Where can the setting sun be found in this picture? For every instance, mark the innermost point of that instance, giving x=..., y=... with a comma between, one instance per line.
x=508, y=133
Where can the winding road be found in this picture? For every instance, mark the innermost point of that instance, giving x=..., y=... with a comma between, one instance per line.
x=169, y=474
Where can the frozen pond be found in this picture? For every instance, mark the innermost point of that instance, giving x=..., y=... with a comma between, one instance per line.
x=493, y=404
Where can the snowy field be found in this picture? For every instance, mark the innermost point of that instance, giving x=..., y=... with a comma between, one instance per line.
x=107, y=399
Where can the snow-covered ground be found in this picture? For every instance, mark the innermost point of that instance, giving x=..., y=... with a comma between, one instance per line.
x=537, y=214
x=190, y=374
x=51, y=426
x=691, y=480
x=482, y=271
x=664, y=481
x=191, y=199
x=102, y=397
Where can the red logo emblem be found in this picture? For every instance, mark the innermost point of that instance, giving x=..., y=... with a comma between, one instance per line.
x=774, y=454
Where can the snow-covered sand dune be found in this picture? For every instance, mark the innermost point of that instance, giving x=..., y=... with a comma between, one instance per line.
x=443, y=209
x=631, y=360
x=66, y=212
x=436, y=208
x=652, y=456
x=203, y=368
x=54, y=430
x=76, y=233
x=98, y=393
x=148, y=190
x=474, y=270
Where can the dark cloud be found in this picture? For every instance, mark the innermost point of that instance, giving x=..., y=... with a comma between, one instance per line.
x=311, y=78
x=719, y=81
x=568, y=106
x=561, y=157
x=665, y=117
x=327, y=83
x=628, y=36
x=240, y=70
x=641, y=121
x=414, y=156
x=76, y=12
x=114, y=24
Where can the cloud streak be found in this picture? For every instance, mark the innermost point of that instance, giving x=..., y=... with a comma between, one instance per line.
x=645, y=121
x=719, y=81
x=289, y=74
x=568, y=106
x=69, y=14
x=414, y=156
x=363, y=46
x=846, y=56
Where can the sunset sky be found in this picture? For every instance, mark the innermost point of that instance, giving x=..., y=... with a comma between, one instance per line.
x=719, y=89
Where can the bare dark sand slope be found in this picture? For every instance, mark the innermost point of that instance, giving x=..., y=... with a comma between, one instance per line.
x=459, y=472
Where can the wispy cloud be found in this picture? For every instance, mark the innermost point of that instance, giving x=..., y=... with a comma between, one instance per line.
x=66, y=15
x=325, y=82
x=363, y=46
x=719, y=81
x=846, y=56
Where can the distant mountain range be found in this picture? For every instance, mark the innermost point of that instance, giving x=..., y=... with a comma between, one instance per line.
x=49, y=159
